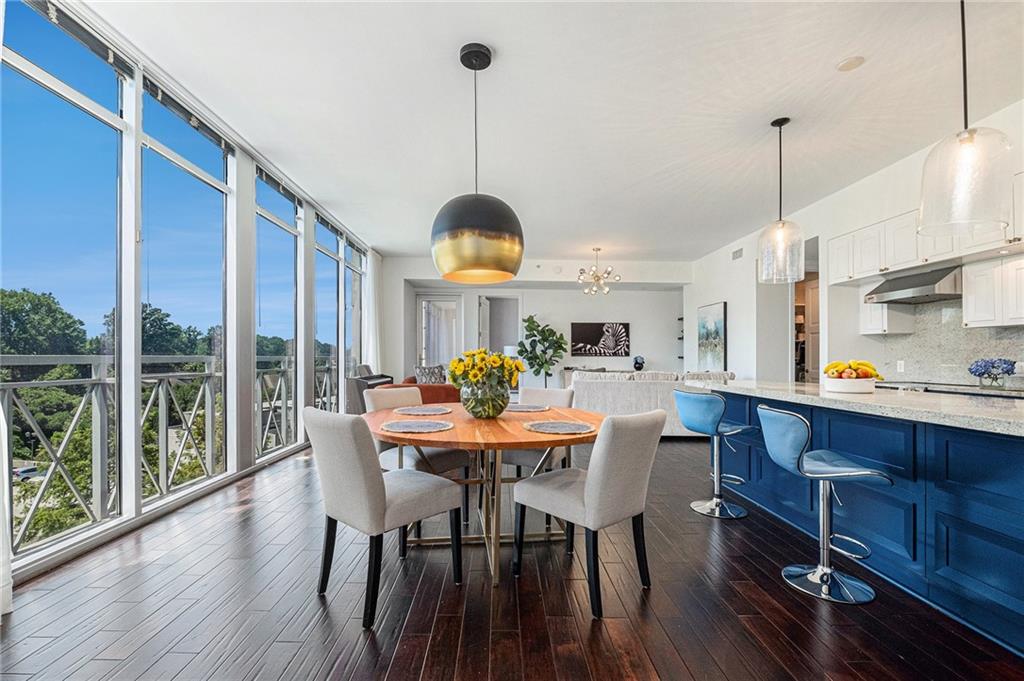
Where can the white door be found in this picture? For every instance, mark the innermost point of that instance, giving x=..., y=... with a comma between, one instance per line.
x=982, y=293
x=867, y=250
x=484, y=324
x=901, y=241
x=840, y=259
x=437, y=329
x=1013, y=290
x=811, y=306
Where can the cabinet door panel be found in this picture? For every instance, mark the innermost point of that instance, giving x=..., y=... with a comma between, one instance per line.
x=1013, y=290
x=901, y=241
x=867, y=250
x=932, y=248
x=980, y=239
x=840, y=259
x=982, y=293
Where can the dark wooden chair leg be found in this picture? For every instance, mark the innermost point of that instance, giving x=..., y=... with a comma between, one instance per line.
x=519, y=471
x=418, y=529
x=641, y=550
x=570, y=533
x=403, y=541
x=594, y=574
x=330, y=534
x=520, y=530
x=372, y=580
x=465, y=496
x=455, y=525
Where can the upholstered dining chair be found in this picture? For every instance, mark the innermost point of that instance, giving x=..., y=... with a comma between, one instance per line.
x=436, y=460
x=612, y=489
x=529, y=458
x=358, y=494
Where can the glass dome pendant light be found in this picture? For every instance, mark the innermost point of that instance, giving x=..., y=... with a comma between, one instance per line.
x=781, y=245
x=476, y=238
x=967, y=182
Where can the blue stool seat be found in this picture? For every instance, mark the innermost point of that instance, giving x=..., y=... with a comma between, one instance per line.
x=786, y=437
x=703, y=412
x=825, y=464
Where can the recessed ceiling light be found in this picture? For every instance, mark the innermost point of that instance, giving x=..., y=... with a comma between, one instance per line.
x=1005, y=251
x=850, y=63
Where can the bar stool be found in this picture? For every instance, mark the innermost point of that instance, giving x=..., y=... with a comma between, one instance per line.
x=786, y=437
x=702, y=412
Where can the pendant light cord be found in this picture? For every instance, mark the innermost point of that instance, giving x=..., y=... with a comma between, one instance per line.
x=780, y=173
x=963, y=55
x=476, y=144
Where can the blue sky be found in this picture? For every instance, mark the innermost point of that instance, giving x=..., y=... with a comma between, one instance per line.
x=58, y=200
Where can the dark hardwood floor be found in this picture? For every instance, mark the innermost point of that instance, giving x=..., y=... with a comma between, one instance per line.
x=224, y=589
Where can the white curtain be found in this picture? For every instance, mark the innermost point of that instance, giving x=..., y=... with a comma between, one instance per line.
x=373, y=311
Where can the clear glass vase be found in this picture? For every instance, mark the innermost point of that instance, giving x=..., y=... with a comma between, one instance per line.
x=484, y=401
x=992, y=381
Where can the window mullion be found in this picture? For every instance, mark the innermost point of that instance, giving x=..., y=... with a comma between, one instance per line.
x=129, y=313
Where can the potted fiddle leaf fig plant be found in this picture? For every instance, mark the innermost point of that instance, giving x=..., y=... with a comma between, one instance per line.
x=541, y=348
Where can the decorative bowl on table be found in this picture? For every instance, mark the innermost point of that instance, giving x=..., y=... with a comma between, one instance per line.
x=854, y=376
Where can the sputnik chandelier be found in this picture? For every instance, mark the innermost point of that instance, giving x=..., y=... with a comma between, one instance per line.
x=596, y=279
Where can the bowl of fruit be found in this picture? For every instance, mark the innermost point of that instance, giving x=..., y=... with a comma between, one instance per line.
x=854, y=376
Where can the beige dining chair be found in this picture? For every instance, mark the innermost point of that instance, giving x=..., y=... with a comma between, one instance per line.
x=357, y=493
x=436, y=460
x=529, y=458
x=612, y=489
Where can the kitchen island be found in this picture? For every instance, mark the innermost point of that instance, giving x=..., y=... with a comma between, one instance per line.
x=950, y=530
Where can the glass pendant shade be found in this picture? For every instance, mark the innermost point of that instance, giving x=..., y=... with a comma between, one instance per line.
x=967, y=184
x=781, y=253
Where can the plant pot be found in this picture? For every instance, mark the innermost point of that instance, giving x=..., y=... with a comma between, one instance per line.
x=484, y=401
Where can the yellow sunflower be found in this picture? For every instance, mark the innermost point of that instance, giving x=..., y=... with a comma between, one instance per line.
x=494, y=361
x=474, y=375
x=515, y=380
x=508, y=363
x=520, y=366
x=460, y=368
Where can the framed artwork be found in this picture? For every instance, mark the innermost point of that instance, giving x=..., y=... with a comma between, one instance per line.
x=711, y=338
x=599, y=339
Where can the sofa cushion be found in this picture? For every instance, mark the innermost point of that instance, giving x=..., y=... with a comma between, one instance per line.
x=655, y=376
x=603, y=376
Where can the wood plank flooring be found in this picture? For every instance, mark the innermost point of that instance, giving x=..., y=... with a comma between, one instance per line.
x=224, y=589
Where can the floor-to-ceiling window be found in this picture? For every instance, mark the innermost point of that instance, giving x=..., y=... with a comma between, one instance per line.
x=327, y=297
x=58, y=277
x=277, y=232
x=355, y=264
x=182, y=257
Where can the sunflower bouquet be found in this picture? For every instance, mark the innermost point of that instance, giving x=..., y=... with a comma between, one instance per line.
x=484, y=380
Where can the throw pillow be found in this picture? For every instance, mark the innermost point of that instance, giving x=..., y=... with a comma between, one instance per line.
x=434, y=374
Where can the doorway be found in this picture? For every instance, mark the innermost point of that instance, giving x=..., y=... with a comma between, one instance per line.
x=438, y=324
x=806, y=319
x=499, y=324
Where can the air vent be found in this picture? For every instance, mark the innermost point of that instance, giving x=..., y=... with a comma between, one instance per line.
x=737, y=254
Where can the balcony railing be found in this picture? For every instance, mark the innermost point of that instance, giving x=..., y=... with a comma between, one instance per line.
x=275, y=381
x=59, y=432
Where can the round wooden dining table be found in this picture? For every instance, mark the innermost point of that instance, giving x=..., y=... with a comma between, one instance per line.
x=488, y=438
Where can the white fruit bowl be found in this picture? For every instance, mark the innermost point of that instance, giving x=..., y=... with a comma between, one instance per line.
x=848, y=385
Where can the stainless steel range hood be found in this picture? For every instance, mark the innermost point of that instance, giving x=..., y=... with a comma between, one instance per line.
x=926, y=287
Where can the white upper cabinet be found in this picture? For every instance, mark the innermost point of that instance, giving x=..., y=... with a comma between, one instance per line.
x=936, y=247
x=1013, y=289
x=980, y=239
x=900, y=235
x=840, y=259
x=983, y=303
x=868, y=250
x=882, y=318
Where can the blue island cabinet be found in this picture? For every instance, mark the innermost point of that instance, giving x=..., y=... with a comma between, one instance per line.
x=951, y=528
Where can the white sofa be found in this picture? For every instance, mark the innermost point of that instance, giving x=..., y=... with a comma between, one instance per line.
x=634, y=392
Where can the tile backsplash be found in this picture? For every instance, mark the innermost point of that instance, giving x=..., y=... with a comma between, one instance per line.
x=941, y=349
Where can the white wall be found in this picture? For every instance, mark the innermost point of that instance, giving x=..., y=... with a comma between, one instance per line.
x=892, y=190
x=546, y=288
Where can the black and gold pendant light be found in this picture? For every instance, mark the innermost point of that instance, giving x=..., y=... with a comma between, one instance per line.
x=477, y=238
x=967, y=182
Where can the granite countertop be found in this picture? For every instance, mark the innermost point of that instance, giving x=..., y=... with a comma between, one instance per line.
x=973, y=412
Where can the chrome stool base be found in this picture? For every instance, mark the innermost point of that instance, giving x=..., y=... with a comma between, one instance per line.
x=828, y=584
x=718, y=508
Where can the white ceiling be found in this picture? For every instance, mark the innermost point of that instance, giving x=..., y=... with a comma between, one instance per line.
x=641, y=128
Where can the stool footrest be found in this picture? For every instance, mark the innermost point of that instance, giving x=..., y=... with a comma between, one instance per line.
x=729, y=478
x=865, y=550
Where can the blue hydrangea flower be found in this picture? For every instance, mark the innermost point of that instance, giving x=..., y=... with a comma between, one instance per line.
x=992, y=367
